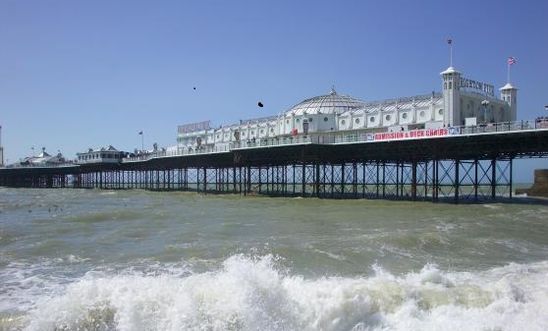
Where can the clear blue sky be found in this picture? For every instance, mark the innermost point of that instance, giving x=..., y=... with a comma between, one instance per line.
x=79, y=74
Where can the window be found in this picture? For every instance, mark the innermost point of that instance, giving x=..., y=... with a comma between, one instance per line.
x=440, y=111
x=387, y=117
x=343, y=122
x=325, y=119
x=252, y=132
x=287, y=121
x=297, y=120
x=421, y=114
x=262, y=131
x=404, y=116
x=243, y=134
x=310, y=119
x=357, y=120
x=372, y=119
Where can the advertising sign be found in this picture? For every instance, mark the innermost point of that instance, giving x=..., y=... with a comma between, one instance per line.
x=412, y=134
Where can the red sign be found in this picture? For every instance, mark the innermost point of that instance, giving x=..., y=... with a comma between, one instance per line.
x=413, y=134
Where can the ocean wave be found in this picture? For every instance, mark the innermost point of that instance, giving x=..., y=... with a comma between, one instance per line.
x=257, y=293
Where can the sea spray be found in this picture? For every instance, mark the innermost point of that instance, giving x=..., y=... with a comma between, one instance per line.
x=256, y=293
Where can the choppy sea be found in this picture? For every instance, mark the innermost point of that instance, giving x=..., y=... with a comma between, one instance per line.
x=138, y=260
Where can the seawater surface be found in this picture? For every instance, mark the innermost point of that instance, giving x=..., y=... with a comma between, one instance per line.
x=137, y=260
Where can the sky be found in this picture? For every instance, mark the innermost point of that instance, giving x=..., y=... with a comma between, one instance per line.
x=81, y=74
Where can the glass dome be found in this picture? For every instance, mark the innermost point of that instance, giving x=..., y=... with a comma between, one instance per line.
x=331, y=103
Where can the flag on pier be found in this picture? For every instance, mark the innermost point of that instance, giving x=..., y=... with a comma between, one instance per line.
x=511, y=60
x=141, y=132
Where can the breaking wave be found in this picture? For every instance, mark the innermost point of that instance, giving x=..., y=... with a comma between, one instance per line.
x=257, y=293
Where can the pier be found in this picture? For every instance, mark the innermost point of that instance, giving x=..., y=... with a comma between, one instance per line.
x=462, y=165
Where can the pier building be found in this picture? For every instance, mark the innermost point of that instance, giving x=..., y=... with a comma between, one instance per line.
x=101, y=155
x=455, y=145
x=43, y=159
x=461, y=102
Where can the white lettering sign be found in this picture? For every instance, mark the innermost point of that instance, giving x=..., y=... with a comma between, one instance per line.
x=478, y=86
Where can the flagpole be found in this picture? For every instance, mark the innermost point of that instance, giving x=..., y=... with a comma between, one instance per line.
x=508, y=72
x=450, y=43
x=142, y=141
x=451, y=53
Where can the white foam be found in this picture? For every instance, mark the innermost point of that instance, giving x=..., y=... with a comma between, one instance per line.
x=255, y=294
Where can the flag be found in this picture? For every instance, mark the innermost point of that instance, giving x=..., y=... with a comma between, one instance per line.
x=449, y=41
x=512, y=60
x=141, y=132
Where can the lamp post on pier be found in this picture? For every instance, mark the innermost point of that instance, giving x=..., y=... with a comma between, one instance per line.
x=142, y=140
x=485, y=104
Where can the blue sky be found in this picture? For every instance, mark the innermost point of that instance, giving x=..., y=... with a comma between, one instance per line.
x=79, y=74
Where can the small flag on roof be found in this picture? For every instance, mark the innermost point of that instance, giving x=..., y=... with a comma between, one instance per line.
x=512, y=60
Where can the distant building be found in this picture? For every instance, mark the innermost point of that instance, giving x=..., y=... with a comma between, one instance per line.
x=43, y=159
x=463, y=101
x=103, y=155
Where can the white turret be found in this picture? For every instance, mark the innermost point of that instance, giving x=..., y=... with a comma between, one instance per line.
x=509, y=94
x=451, y=97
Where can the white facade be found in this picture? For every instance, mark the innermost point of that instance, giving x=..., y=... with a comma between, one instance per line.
x=461, y=100
x=101, y=155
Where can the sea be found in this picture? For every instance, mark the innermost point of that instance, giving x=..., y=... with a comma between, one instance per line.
x=74, y=259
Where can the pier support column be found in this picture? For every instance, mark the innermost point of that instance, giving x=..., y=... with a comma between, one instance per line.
x=205, y=180
x=457, y=181
x=355, y=180
x=510, y=179
x=493, y=178
x=317, y=179
x=303, y=180
x=414, y=180
x=435, y=184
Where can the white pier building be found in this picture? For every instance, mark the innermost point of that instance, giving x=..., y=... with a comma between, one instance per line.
x=462, y=102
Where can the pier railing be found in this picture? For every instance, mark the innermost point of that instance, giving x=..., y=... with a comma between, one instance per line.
x=329, y=138
x=349, y=136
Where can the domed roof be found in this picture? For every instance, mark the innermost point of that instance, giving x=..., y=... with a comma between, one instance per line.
x=331, y=103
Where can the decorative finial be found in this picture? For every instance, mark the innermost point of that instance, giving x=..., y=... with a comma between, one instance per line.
x=333, y=92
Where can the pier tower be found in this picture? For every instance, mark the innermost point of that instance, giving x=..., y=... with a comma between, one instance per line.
x=509, y=93
x=451, y=97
